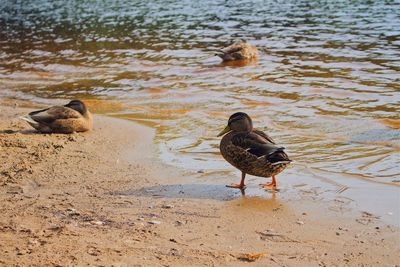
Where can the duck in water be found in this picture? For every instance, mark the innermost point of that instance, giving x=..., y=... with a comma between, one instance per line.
x=238, y=51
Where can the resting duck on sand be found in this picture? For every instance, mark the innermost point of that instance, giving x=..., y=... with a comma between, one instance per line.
x=238, y=51
x=251, y=151
x=72, y=117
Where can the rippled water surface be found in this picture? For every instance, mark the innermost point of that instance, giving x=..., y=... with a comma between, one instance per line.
x=326, y=84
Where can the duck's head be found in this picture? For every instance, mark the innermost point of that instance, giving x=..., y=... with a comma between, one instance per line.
x=78, y=106
x=238, y=122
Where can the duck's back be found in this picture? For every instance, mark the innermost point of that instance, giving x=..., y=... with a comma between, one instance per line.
x=253, y=153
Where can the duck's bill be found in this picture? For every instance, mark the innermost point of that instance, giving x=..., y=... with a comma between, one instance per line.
x=224, y=131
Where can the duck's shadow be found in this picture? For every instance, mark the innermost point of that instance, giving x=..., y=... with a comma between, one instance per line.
x=194, y=191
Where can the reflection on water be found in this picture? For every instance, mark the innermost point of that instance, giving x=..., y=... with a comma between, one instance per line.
x=327, y=76
x=256, y=203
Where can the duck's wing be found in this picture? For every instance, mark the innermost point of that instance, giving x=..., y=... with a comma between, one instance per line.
x=259, y=146
x=264, y=135
x=49, y=115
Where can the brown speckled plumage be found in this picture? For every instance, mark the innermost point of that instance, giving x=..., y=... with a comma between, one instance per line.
x=72, y=117
x=246, y=161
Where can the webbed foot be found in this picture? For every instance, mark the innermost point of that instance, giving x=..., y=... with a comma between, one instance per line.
x=271, y=185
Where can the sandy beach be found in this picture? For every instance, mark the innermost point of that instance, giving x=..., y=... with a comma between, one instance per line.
x=103, y=198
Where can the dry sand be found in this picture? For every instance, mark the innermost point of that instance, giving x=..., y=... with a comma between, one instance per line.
x=103, y=199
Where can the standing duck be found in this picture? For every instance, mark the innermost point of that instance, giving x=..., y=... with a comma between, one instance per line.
x=72, y=117
x=238, y=51
x=251, y=151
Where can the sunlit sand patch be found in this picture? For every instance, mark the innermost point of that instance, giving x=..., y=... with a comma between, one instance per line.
x=17, y=103
x=256, y=203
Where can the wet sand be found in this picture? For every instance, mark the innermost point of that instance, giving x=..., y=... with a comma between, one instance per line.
x=103, y=198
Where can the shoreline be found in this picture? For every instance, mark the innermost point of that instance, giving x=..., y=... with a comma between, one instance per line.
x=103, y=198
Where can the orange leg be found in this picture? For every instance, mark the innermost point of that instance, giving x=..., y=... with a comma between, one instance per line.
x=271, y=184
x=241, y=185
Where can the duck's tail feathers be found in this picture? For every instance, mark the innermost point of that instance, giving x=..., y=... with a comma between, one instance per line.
x=282, y=162
x=278, y=157
x=28, y=119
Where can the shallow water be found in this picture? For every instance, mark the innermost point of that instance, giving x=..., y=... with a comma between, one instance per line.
x=326, y=85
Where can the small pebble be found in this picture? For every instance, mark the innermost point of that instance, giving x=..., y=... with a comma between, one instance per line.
x=72, y=211
x=54, y=227
x=300, y=222
x=72, y=138
x=167, y=206
x=154, y=222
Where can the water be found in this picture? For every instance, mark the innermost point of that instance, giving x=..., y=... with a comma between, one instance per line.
x=326, y=85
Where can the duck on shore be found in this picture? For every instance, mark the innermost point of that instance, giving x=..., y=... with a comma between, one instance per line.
x=251, y=151
x=72, y=117
x=238, y=51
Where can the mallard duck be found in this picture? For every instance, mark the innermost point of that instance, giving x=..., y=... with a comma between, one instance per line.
x=238, y=51
x=251, y=151
x=72, y=117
